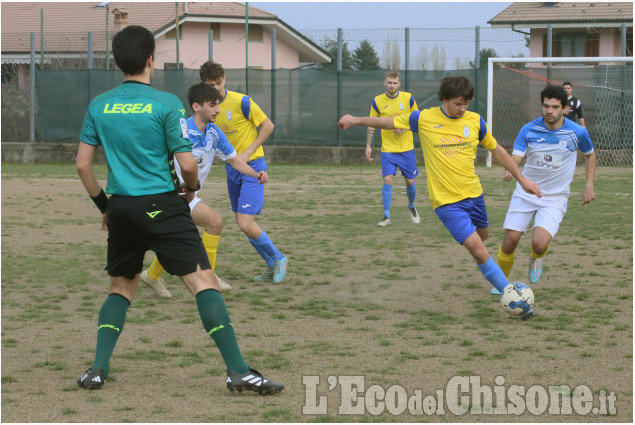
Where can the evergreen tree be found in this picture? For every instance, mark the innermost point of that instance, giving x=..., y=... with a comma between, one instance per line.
x=365, y=57
x=331, y=47
x=485, y=54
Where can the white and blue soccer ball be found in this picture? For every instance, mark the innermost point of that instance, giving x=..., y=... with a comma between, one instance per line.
x=517, y=298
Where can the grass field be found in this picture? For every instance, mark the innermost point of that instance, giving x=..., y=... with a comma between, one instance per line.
x=403, y=305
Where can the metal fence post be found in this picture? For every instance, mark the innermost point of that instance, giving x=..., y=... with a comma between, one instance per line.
x=32, y=82
x=273, y=80
x=89, y=60
x=247, y=48
x=549, y=49
x=107, y=37
x=407, y=54
x=41, y=38
x=477, y=63
x=623, y=49
x=210, y=45
x=176, y=29
x=340, y=46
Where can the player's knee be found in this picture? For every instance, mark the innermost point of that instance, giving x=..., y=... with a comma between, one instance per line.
x=539, y=247
x=246, y=224
x=508, y=246
x=410, y=182
x=388, y=180
x=213, y=223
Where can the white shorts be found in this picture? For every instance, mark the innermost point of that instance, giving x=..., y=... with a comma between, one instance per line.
x=547, y=213
x=194, y=202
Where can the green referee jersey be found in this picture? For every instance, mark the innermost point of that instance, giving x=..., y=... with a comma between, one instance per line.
x=140, y=128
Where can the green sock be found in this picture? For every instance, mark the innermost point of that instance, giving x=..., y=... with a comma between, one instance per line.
x=111, y=319
x=215, y=318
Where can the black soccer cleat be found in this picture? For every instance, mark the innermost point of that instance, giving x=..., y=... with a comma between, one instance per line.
x=252, y=380
x=92, y=379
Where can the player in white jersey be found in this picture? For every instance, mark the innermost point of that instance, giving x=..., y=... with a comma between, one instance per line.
x=551, y=145
x=208, y=141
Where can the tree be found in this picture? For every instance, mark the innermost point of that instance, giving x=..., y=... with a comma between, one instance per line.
x=485, y=54
x=365, y=57
x=392, y=57
x=331, y=48
x=421, y=60
x=438, y=58
x=461, y=63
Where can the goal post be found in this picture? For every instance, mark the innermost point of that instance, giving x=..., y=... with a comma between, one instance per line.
x=604, y=86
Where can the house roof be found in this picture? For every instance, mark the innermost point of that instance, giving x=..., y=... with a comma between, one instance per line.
x=536, y=14
x=66, y=24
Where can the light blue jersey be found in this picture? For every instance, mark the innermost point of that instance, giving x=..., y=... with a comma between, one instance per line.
x=205, y=146
x=551, y=155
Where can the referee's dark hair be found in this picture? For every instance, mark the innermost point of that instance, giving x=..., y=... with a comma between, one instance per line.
x=131, y=47
x=455, y=86
x=554, y=92
x=201, y=93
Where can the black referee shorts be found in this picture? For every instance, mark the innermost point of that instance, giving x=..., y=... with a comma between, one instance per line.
x=161, y=223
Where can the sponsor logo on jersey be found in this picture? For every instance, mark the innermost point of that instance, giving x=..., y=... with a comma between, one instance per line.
x=128, y=108
x=548, y=162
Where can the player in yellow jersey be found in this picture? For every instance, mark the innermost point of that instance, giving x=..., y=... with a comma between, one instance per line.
x=397, y=147
x=449, y=136
x=239, y=119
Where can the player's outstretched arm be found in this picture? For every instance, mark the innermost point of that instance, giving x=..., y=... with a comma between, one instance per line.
x=500, y=154
x=589, y=163
x=369, y=142
x=347, y=121
x=241, y=166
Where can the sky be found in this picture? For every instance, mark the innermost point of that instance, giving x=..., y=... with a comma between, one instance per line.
x=374, y=14
x=448, y=26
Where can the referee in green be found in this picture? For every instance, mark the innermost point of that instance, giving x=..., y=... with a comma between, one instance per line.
x=142, y=130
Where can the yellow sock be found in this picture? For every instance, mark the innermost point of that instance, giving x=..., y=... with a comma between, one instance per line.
x=536, y=256
x=211, y=244
x=156, y=269
x=505, y=262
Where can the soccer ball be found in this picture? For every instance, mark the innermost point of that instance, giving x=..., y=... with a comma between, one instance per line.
x=517, y=298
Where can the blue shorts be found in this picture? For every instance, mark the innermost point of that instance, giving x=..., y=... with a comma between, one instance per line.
x=246, y=194
x=464, y=217
x=404, y=160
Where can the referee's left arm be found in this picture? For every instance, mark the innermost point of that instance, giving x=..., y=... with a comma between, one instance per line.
x=84, y=166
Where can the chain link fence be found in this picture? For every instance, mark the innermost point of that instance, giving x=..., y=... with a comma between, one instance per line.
x=304, y=103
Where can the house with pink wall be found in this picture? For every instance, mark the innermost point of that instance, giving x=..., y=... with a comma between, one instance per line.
x=62, y=30
x=579, y=29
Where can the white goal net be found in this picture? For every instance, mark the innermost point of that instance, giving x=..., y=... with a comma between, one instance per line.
x=604, y=86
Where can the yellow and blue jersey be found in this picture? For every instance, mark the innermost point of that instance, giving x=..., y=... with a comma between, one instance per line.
x=238, y=119
x=449, y=150
x=140, y=128
x=390, y=107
